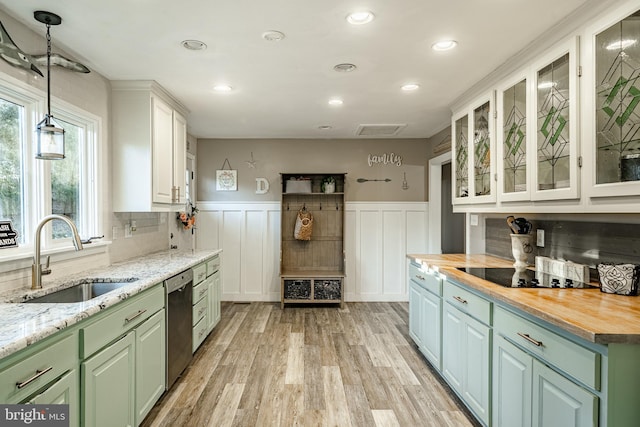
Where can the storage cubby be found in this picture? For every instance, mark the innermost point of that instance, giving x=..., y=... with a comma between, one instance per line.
x=312, y=271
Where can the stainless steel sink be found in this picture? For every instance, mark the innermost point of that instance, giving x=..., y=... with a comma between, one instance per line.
x=84, y=291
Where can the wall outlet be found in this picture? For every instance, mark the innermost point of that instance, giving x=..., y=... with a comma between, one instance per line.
x=134, y=226
x=473, y=219
x=127, y=231
x=540, y=238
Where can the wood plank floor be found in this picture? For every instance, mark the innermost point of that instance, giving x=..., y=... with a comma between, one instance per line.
x=309, y=366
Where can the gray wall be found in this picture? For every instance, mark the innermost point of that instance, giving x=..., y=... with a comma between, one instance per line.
x=275, y=156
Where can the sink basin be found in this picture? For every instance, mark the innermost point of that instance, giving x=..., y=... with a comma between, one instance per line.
x=84, y=291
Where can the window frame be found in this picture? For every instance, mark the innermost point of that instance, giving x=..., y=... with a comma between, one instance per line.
x=36, y=174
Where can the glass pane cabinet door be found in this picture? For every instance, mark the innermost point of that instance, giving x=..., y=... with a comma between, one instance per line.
x=514, y=139
x=481, y=150
x=554, y=139
x=461, y=128
x=617, y=52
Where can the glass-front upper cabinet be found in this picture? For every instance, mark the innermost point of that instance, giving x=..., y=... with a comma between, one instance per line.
x=513, y=138
x=460, y=159
x=617, y=109
x=555, y=153
x=473, y=131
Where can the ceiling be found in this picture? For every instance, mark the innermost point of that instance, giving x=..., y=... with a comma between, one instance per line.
x=281, y=88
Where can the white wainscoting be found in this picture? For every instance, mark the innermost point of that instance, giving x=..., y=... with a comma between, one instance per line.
x=378, y=235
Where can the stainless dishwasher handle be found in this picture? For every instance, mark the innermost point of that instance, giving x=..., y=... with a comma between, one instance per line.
x=139, y=313
x=531, y=340
x=37, y=375
x=460, y=300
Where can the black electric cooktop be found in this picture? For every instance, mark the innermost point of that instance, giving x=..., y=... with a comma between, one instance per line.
x=509, y=278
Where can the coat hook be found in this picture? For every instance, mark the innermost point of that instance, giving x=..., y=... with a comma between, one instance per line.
x=287, y=206
x=337, y=207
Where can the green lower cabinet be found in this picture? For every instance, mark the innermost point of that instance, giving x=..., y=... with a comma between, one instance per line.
x=466, y=359
x=215, y=293
x=108, y=379
x=415, y=313
x=150, y=364
x=63, y=391
x=512, y=376
x=528, y=393
x=559, y=402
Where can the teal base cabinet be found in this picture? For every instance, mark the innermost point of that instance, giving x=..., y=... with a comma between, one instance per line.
x=425, y=313
x=466, y=359
x=62, y=392
x=109, y=385
x=541, y=378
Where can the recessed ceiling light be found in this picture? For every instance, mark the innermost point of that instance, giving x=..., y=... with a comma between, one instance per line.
x=273, y=36
x=360, y=17
x=444, y=45
x=335, y=101
x=324, y=127
x=344, y=68
x=222, y=88
x=621, y=44
x=410, y=86
x=194, y=45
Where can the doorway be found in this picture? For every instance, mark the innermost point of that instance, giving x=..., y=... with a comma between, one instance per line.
x=452, y=224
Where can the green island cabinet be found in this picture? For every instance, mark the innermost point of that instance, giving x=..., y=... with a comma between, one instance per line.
x=511, y=368
x=206, y=299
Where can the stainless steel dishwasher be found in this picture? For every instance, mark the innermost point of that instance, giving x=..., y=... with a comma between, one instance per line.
x=179, y=289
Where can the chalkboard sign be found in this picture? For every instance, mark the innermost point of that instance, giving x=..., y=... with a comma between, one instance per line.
x=8, y=236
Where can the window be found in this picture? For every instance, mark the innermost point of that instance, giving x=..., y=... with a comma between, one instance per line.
x=31, y=189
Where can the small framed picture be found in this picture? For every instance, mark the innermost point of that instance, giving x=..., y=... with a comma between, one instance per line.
x=226, y=180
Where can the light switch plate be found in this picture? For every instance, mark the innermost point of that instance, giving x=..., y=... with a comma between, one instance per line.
x=127, y=231
x=540, y=238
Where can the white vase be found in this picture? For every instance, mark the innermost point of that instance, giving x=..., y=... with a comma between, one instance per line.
x=329, y=187
x=521, y=248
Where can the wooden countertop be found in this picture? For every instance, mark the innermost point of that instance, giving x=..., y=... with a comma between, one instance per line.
x=588, y=313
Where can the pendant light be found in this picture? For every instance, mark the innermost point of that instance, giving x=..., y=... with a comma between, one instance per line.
x=50, y=137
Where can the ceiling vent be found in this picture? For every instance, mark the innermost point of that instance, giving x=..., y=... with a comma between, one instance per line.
x=379, y=130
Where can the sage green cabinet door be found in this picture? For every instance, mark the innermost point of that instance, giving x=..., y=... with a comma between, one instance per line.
x=108, y=379
x=214, y=300
x=431, y=315
x=150, y=364
x=452, y=351
x=512, y=376
x=558, y=402
x=63, y=391
x=466, y=359
x=476, y=355
x=415, y=311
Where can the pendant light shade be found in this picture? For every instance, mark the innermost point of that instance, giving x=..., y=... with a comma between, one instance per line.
x=50, y=140
x=50, y=137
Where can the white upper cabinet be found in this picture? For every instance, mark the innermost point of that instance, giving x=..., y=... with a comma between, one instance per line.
x=555, y=153
x=612, y=87
x=149, y=148
x=474, y=150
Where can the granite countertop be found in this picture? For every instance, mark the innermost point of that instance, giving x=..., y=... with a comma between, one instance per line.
x=588, y=313
x=22, y=325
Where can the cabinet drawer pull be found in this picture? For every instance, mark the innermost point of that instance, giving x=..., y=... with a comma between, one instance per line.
x=201, y=333
x=463, y=301
x=139, y=313
x=202, y=311
x=202, y=292
x=531, y=340
x=419, y=277
x=37, y=375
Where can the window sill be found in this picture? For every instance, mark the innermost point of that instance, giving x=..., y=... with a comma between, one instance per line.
x=24, y=259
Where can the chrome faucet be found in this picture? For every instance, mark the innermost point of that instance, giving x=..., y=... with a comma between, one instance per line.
x=36, y=268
